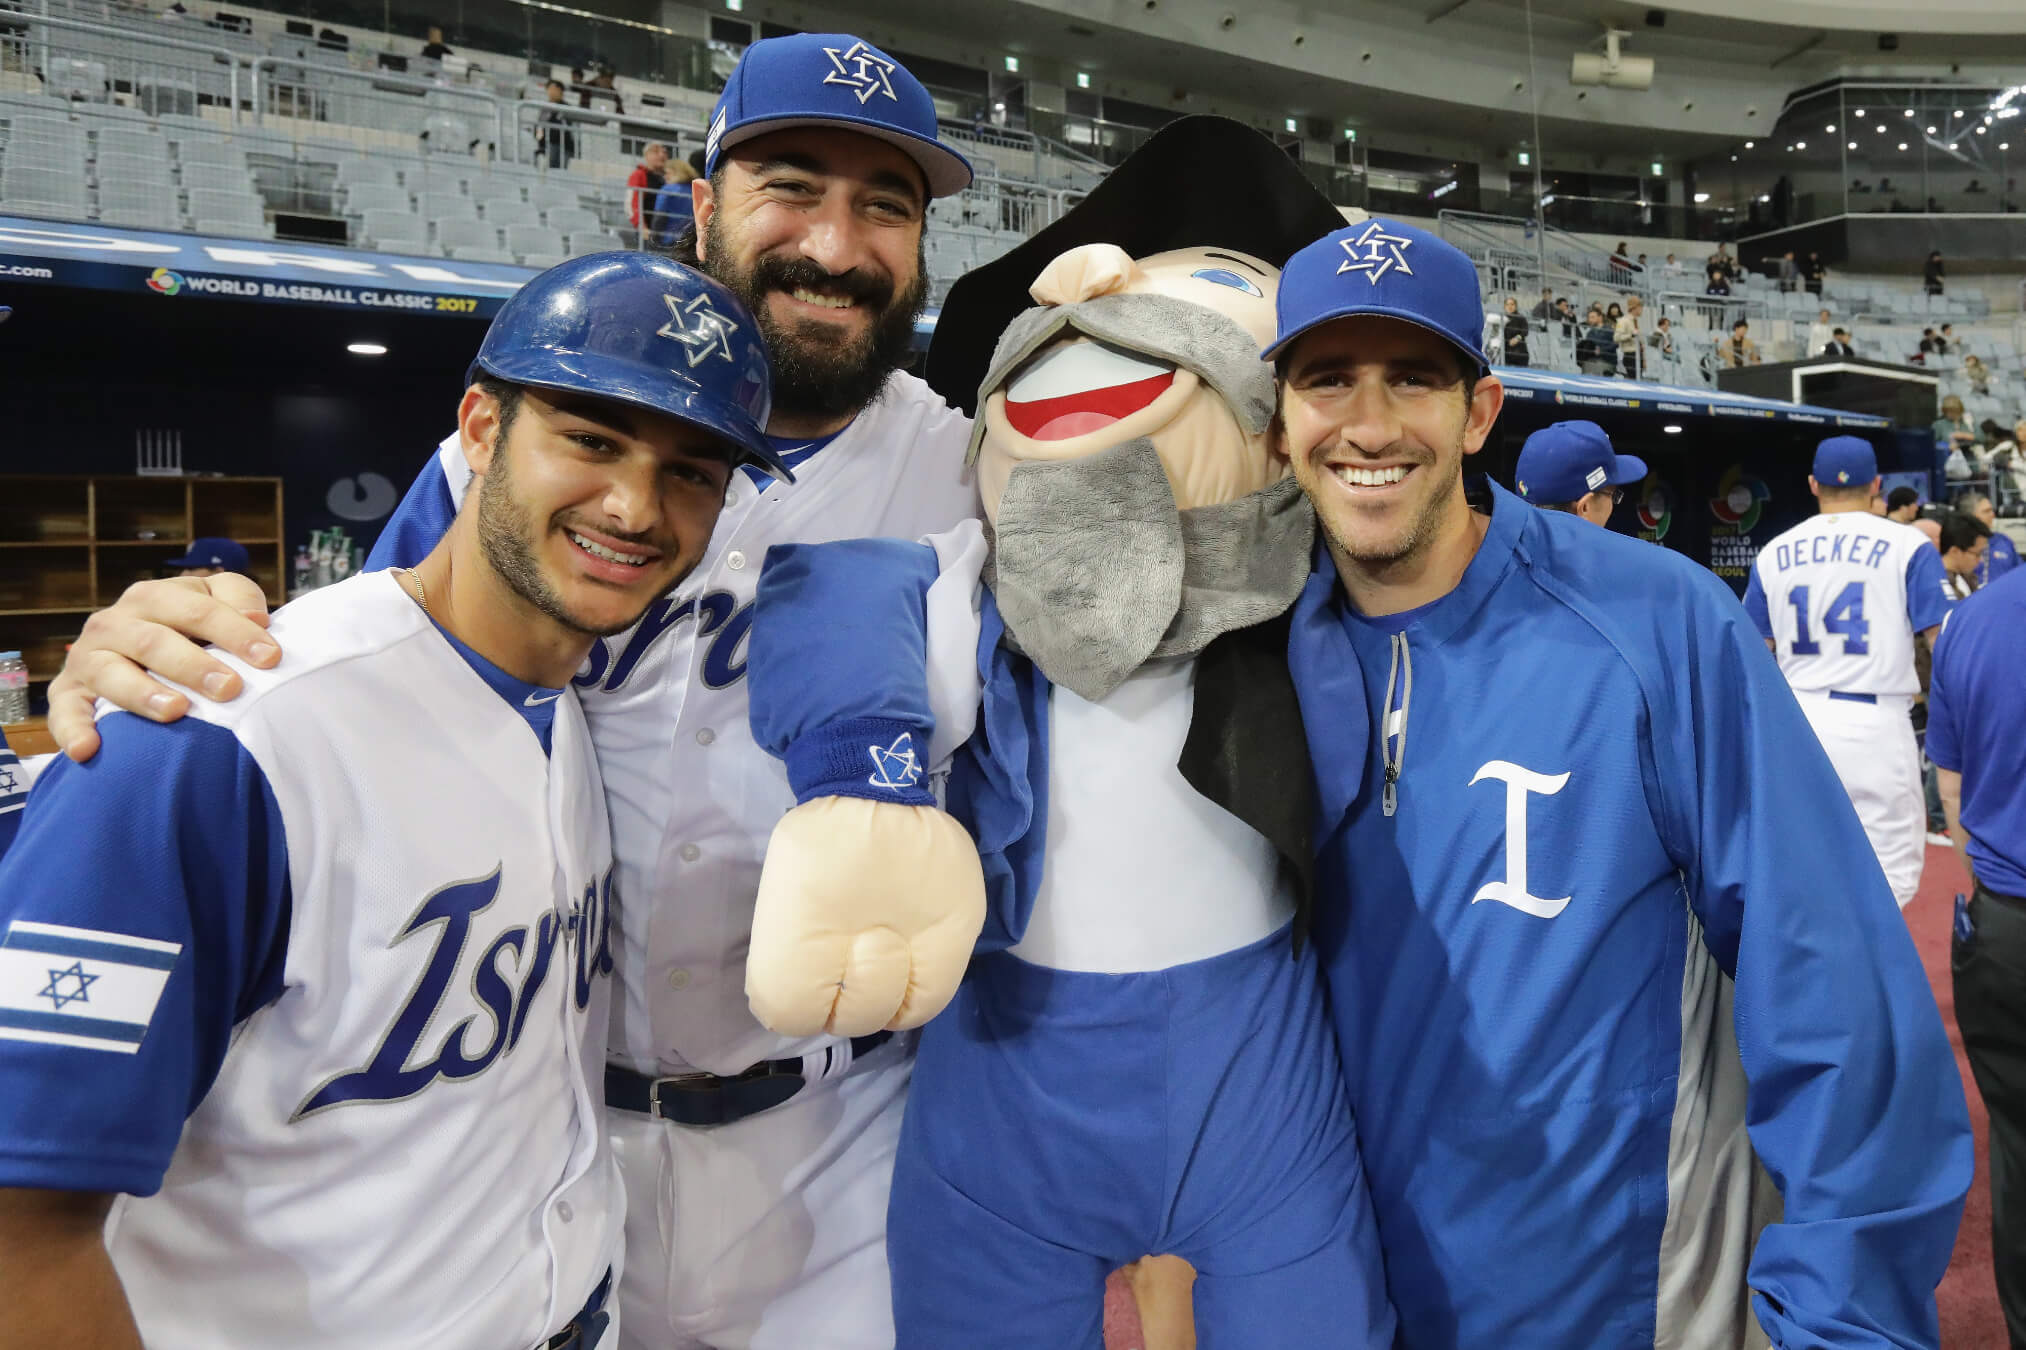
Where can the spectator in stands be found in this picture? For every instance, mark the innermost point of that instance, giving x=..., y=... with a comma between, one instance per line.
x=1928, y=345
x=1722, y=261
x=1820, y=332
x=1544, y=312
x=1788, y=272
x=209, y=557
x=1596, y=348
x=1945, y=340
x=1515, y=352
x=1978, y=375
x=1566, y=312
x=1625, y=332
x=1642, y=263
x=1621, y=265
x=1672, y=267
x=435, y=50
x=601, y=84
x=1813, y=271
x=2003, y=555
x=1738, y=350
x=1613, y=312
x=1932, y=275
x=1716, y=281
x=644, y=183
x=1965, y=541
x=1952, y=429
x=1662, y=340
x=555, y=142
x=1902, y=504
x=2008, y=470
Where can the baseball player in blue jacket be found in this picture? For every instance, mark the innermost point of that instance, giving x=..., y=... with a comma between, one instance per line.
x=1607, y=948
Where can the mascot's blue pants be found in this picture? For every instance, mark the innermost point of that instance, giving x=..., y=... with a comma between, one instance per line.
x=1062, y=1124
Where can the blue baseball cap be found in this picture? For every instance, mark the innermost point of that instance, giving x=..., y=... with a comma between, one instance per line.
x=832, y=80
x=1381, y=267
x=1562, y=462
x=215, y=553
x=1845, y=462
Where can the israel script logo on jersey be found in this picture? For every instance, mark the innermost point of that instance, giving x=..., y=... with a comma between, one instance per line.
x=1520, y=782
x=401, y=1066
x=718, y=616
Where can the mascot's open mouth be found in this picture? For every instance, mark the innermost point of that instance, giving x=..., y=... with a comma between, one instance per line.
x=1081, y=387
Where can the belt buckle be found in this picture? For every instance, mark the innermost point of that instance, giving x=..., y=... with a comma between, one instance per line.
x=685, y=1082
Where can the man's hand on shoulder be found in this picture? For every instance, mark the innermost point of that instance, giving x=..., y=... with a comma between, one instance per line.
x=158, y=627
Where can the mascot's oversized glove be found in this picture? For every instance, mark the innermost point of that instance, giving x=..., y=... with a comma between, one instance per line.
x=867, y=914
x=871, y=897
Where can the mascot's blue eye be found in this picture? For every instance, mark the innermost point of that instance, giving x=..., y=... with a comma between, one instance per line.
x=1224, y=276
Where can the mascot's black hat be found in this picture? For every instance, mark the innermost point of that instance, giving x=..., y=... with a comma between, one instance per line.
x=1199, y=181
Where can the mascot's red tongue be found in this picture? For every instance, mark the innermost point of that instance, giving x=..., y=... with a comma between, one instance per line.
x=1058, y=419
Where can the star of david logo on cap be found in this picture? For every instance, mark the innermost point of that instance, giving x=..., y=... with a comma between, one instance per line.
x=870, y=73
x=701, y=330
x=1382, y=253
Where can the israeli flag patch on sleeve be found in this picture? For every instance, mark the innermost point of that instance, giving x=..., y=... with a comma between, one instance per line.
x=13, y=782
x=79, y=986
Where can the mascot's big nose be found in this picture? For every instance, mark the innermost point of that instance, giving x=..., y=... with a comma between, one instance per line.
x=1084, y=273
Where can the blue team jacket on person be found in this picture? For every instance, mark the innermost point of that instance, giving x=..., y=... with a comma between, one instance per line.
x=1611, y=822
x=2001, y=557
x=1973, y=717
x=13, y=796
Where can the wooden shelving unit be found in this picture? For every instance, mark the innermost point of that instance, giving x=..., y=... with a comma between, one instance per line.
x=70, y=545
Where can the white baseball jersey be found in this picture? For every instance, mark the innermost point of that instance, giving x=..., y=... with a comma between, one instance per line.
x=1841, y=595
x=693, y=800
x=320, y=976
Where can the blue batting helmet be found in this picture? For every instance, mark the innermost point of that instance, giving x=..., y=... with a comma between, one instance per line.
x=642, y=330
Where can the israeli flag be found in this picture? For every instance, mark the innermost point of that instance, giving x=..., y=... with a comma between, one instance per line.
x=79, y=986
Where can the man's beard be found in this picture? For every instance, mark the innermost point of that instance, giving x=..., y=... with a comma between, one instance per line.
x=1420, y=531
x=507, y=535
x=816, y=374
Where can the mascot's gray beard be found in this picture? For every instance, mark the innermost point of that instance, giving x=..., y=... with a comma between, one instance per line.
x=1096, y=570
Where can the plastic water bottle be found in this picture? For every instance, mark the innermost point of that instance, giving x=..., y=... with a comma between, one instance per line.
x=13, y=687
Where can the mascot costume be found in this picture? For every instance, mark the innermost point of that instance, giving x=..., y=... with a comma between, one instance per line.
x=1136, y=1058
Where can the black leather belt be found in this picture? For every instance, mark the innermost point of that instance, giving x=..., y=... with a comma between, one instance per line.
x=707, y=1099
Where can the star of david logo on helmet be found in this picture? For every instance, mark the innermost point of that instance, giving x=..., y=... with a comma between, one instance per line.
x=1382, y=253
x=870, y=73
x=701, y=330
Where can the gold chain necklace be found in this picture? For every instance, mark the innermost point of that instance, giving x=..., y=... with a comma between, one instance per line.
x=421, y=591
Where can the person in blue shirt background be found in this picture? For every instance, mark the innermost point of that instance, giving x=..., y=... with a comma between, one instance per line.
x=1607, y=947
x=1573, y=467
x=1974, y=741
x=2003, y=555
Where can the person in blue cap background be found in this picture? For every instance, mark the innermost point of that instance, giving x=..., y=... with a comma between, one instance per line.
x=1973, y=711
x=210, y=556
x=1841, y=599
x=1571, y=466
x=1607, y=948
x=757, y=1165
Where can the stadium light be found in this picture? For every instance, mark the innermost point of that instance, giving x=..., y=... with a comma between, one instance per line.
x=1658, y=171
x=1290, y=124
x=1853, y=145
x=1012, y=65
x=1831, y=128
x=1750, y=144
x=1881, y=128
x=1931, y=131
x=365, y=349
x=1860, y=114
x=1909, y=112
x=735, y=5
x=1959, y=112
x=1902, y=145
x=1672, y=428
x=1800, y=145
x=1702, y=197
x=1083, y=79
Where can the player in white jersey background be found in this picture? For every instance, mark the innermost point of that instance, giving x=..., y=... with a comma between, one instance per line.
x=318, y=978
x=1841, y=598
x=766, y=1230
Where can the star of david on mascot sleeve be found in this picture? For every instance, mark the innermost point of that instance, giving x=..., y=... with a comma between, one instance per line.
x=1100, y=918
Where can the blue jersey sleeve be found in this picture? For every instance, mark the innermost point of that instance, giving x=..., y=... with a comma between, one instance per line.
x=1927, y=593
x=422, y=518
x=143, y=914
x=1855, y=1106
x=1755, y=605
x=1944, y=741
x=2000, y=558
x=13, y=796
x=837, y=673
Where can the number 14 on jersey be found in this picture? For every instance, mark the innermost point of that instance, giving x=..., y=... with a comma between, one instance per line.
x=1845, y=619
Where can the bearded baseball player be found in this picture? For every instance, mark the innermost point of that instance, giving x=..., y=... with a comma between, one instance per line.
x=303, y=999
x=757, y=1167
x=1840, y=598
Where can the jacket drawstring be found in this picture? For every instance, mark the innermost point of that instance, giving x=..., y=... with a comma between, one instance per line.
x=1393, y=730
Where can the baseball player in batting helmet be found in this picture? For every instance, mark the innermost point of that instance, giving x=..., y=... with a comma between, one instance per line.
x=365, y=911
